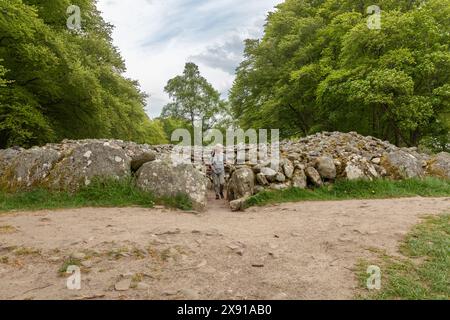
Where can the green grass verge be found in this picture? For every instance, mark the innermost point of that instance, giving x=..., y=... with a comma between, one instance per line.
x=423, y=274
x=106, y=193
x=359, y=189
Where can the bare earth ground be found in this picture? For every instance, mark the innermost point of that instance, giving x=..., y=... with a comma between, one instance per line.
x=304, y=250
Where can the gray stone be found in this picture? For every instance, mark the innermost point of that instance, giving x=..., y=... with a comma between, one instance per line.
x=280, y=177
x=262, y=180
x=288, y=169
x=402, y=165
x=326, y=168
x=238, y=205
x=353, y=172
x=85, y=162
x=299, y=180
x=439, y=166
x=241, y=184
x=166, y=179
x=28, y=169
x=269, y=173
x=314, y=176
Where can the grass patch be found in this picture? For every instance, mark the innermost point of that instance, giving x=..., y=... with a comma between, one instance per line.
x=67, y=263
x=7, y=229
x=359, y=189
x=423, y=274
x=100, y=193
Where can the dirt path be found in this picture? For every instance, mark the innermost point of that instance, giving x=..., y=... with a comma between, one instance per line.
x=290, y=251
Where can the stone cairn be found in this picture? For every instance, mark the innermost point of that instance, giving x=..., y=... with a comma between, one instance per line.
x=304, y=163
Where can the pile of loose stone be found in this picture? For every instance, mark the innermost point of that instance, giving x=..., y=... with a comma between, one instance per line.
x=308, y=162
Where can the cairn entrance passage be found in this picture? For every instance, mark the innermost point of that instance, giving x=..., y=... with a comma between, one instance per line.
x=214, y=206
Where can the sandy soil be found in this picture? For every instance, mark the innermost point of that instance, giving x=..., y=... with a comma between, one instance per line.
x=292, y=251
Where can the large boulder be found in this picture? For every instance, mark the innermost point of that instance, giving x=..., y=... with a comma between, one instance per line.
x=288, y=168
x=314, y=176
x=402, y=165
x=439, y=166
x=28, y=169
x=359, y=167
x=299, y=179
x=241, y=184
x=88, y=161
x=7, y=156
x=326, y=168
x=269, y=173
x=164, y=178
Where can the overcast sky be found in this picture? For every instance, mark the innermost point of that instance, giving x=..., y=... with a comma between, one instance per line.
x=157, y=37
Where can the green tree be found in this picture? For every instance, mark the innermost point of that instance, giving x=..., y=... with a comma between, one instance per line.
x=319, y=67
x=193, y=99
x=61, y=83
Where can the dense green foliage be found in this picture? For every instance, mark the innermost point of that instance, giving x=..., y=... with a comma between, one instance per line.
x=359, y=189
x=63, y=83
x=194, y=100
x=319, y=67
x=101, y=193
x=424, y=273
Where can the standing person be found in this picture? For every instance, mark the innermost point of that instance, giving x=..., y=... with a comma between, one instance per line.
x=218, y=170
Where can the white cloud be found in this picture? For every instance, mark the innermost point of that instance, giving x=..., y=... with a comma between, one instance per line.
x=157, y=37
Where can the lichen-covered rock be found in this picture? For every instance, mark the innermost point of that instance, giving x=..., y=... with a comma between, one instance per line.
x=314, y=176
x=439, y=166
x=28, y=169
x=241, y=184
x=85, y=162
x=326, y=168
x=238, y=204
x=359, y=167
x=288, y=169
x=299, y=179
x=7, y=156
x=353, y=172
x=164, y=178
x=402, y=165
x=269, y=173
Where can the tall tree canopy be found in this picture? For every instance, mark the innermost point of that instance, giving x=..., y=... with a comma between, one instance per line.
x=65, y=84
x=193, y=99
x=319, y=67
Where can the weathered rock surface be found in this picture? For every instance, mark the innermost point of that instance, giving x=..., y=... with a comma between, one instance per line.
x=439, y=166
x=299, y=180
x=164, y=178
x=314, y=176
x=238, y=204
x=402, y=165
x=29, y=169
x=6, y=157
x=241, y=184
x=85, y=162
x=326, y=167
